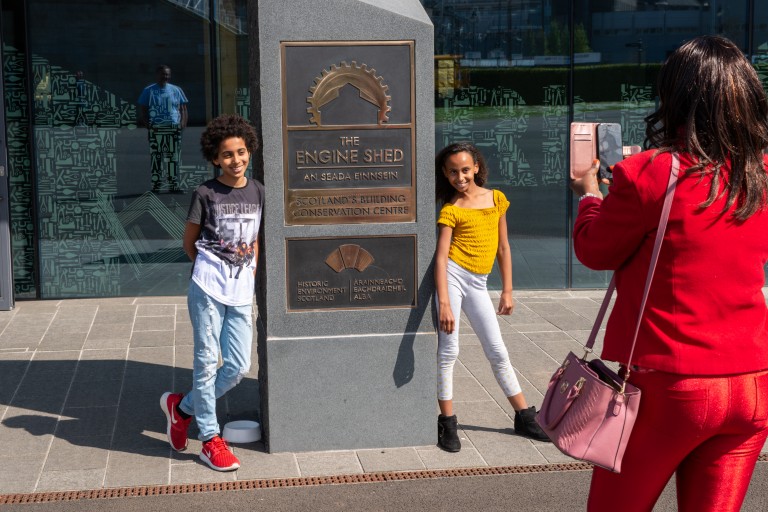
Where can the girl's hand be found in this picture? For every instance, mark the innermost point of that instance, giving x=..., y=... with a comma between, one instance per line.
x=506, y=304
x=446, y=320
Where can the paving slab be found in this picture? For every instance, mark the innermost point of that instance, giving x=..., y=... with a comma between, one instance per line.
x=152, y=339
x=70, y=480
x=570, y=321
x=512, y=450
x=136, y=469
x=91, y=393
x=39, y=401
x=112, y=315
x=538, y=336
x=435, y=458
x=197, y=471
x=11, y=374
x=78, y=453
x=19, y=478
x=79, y=422
x=557, y=350
x=154, y=323
x=80, y=382
x=390, y=459
x=540, y=326
x=329, y=463
x=483, y=416
x=59, y=340
x=110, y=331
x=156, y=310
x=70, y=324
x=468, y=389
x=257, y=464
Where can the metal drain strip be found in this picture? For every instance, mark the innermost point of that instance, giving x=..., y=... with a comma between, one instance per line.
x=244, y=485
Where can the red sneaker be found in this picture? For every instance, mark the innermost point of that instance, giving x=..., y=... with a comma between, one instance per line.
x=217, y=455
x=177, y=426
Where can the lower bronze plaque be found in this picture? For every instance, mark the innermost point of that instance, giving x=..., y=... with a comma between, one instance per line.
x=351, y=273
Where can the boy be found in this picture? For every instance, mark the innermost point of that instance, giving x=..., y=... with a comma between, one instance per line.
x=220, y=237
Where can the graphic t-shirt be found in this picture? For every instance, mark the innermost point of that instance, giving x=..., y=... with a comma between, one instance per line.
x=229, y=219
x=163, y=103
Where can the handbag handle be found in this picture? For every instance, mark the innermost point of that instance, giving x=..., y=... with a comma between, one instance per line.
x=574, y=390
x=670, y=192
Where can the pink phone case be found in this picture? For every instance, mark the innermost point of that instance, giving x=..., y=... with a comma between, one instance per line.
x=583, y=148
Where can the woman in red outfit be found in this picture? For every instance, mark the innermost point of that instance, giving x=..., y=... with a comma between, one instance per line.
x=701, y=359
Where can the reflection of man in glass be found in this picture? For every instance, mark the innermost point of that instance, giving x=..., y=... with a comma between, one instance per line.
x=163, y=110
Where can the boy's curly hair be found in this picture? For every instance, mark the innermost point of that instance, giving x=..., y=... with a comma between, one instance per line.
x=224, y=127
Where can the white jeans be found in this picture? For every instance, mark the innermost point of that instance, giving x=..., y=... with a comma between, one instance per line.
x=467, y=292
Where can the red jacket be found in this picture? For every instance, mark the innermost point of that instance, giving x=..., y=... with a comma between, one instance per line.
x=706, y=314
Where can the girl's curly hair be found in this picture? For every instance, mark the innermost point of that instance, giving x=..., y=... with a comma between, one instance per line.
x=444, y=191
x=224, y=127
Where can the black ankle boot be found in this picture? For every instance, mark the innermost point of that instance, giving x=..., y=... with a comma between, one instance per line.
x=525, y=425
x=447, y=434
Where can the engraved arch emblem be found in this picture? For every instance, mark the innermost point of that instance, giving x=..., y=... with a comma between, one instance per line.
x=349, y=256
x=329, y=84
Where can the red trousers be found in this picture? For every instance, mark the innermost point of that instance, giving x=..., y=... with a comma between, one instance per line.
x=708, y=431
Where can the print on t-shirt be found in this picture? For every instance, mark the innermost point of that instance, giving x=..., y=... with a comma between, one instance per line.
x=236, y=231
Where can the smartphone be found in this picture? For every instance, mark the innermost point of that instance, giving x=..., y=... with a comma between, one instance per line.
x=583, y=148
x=609, y=148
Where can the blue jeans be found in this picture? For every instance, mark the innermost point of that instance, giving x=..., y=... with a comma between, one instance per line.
x=216, y=328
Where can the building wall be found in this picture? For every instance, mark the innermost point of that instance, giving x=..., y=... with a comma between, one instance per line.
x=505, y=81
x=509, y=75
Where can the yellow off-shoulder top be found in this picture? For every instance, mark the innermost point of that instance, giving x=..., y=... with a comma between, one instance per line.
x=475, y=233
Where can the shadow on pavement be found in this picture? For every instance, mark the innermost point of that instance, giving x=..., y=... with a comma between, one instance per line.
x=105, y=404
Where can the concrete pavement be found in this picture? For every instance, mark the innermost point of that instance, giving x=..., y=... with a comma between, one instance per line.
x=80, y=381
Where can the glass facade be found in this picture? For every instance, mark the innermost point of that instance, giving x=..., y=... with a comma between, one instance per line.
x=98, y=201
x=512, y=75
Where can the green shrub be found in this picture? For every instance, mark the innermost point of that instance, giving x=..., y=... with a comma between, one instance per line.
x=593, y=83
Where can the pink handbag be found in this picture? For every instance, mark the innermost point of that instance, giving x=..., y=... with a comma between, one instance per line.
x=589, y=410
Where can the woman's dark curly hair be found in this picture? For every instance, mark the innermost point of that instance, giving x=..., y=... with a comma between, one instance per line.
x=713, y=106
x=225, y=127
x=444, y=191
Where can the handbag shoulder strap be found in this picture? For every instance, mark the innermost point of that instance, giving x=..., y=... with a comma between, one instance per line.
x=670, y=192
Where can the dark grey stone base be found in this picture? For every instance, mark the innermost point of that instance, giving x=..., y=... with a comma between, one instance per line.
x=343, y=377
x=347, y=392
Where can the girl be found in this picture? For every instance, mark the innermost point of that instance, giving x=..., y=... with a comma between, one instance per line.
x=472, y=229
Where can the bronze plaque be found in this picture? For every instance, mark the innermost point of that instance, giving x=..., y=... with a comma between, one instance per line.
x=348, y=130
x=366, y=205
x=351, y=273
